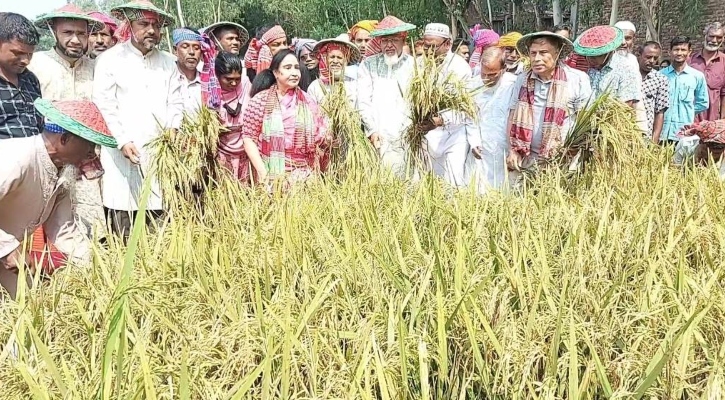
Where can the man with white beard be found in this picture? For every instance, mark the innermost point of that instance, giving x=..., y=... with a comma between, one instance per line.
x=626, y=50
x=446, y=138
x=383, y=81
x=711, y=62
x=487, y=137
x=36, y=184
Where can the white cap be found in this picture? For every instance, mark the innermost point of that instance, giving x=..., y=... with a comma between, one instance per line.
x=625, y=26
x=439, y=30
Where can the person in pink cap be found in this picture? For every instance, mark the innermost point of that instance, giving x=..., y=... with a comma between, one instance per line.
x=103, y=39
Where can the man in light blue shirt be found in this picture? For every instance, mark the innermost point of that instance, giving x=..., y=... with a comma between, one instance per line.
x=688, y=91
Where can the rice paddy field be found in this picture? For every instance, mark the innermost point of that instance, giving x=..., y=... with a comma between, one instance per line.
x=603, y=285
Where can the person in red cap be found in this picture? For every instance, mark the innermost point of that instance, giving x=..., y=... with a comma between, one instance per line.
x=103, y=39
x=39, y=173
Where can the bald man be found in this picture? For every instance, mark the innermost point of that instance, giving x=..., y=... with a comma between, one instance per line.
x=488, y=138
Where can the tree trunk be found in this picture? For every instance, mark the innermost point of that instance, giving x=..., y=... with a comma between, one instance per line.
x=454, y=26
x=513, y=14
x=556, y=8
x=537, y=15
x=574, y=18
x=614, y=16
x=180, y=13
x=490, y=13
x=650, y=16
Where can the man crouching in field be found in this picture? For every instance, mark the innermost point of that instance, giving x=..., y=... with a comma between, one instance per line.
x=35, y=187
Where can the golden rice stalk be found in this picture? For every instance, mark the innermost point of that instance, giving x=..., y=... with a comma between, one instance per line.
x=349, y=147
x=185, y=160
x=432, y=91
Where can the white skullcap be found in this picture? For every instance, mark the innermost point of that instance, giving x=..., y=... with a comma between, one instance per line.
x=439, y=30
x=625, y=26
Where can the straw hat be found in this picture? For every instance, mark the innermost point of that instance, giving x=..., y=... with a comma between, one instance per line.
x=69, y=11
x=522, y=45
x=243, y=33
x=110, y=22
x=598, y=41
x=344, y=40
x=390, y=26
x=79, y=117
x=121, y=12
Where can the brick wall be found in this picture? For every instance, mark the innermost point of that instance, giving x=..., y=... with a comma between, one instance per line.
x=669, y=24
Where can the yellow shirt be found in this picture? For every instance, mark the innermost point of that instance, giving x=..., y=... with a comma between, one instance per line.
x=58, y=80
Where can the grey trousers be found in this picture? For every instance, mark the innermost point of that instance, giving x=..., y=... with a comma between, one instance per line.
x=121, y=222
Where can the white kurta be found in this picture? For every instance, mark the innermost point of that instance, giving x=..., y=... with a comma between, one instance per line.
x=447, y=145
x=31, y=195
x=489, y=132
x=190, y=93
x=58, y=80
x=139, y=96
x=383, y=107
x=318, y=91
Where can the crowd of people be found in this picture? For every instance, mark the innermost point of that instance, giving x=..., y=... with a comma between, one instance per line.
x=75, y=120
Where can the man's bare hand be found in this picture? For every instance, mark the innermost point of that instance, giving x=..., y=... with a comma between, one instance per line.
x=11, y=261
x=477, y=152
x=130, y=151
x=376, y=140
x=513, y=161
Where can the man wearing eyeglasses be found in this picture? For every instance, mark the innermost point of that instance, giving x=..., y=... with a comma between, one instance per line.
x=18, y=86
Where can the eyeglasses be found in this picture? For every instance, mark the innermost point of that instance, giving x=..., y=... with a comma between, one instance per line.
x=391, y=40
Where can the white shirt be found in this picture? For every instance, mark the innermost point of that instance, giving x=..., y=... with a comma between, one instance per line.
x=381, y=95
x=138, y=95
x=318, y=90
x=190, y=93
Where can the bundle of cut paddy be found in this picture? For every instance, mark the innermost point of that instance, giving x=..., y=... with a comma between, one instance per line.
x=349, y=146
x=185, y=160
x=433, y=91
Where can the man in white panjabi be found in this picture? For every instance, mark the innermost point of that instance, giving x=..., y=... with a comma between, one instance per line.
x=446, y=140
x=137, y=89
x=383, y=80
x=626, y=51
x=39, y=173
x=488, y=137
x=333, y=57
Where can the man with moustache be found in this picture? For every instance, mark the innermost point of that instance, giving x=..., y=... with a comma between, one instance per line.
x=65, y=72
x=19, y=87
x=626, y=50
x=102, y=40
x=487, y=137
x=446, y=141
x=711, y=62
x=333, y=56
x=137, y=89
x=39, y=173
x=383, y=80
x=227, y=36
x=655, y=88
x=188, y=49
x=545, y=101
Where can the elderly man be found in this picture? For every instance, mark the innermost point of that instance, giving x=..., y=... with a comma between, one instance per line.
x=513, y=59
x=487, y=137
x=446, y=138
x=711, y=62
x=19, y=87
x=609, y=72
x=103, y=39
x=333, y=56
x=655, y=88
x=383, y=80
x=38, y=175
x=227, y=36
x=137, y=90
x=65, y=72
x=626, y=50
x=545, y=101
x=188, y=50
x=688, y=91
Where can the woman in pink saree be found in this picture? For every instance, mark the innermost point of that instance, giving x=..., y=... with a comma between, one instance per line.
x=284, y=131
x=235, y=88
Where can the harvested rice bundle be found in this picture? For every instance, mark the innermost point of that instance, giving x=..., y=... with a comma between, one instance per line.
x=349, y=145
x=431, y=92
x=186, y=159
